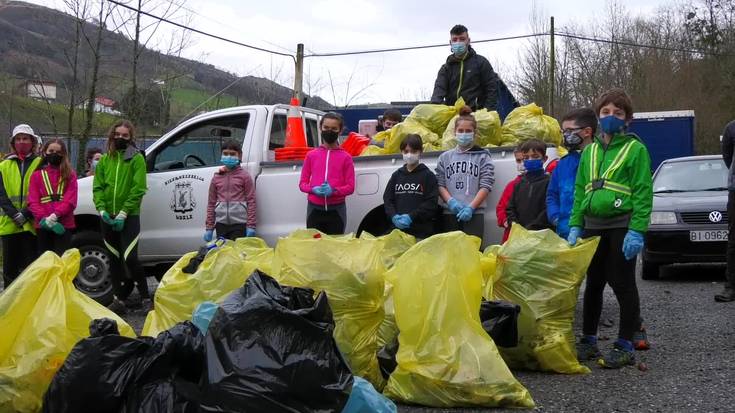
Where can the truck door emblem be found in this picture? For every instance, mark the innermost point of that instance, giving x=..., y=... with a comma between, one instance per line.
x=182, y=200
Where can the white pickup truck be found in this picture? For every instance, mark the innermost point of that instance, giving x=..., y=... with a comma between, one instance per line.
x=182, y=162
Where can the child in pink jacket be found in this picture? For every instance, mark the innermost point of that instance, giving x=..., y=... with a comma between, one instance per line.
x=52, y=198
x=328, y=176
x=231, y=207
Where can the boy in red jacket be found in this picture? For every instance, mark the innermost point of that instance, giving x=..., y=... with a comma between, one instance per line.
x=231, y=207
x=507, y=194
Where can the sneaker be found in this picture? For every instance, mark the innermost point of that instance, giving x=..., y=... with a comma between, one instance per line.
x=117, y=307
x=640, y=340
x=617, y=358
x=586, y=350
x=727, y=295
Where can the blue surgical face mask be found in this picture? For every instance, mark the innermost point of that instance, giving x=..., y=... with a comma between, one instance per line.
x=465, y=139
x=611, y=125
x=533, y=165
x=458, y=48
x=230, y=161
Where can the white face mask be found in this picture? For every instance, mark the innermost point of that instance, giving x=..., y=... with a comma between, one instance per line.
x=411, y=158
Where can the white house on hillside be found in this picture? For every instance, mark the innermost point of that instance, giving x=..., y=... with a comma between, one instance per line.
x=40, y=89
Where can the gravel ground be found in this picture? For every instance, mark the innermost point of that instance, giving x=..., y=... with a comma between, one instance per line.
x=691, y=365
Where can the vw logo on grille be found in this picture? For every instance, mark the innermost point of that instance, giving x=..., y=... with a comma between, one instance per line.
x=715, y=216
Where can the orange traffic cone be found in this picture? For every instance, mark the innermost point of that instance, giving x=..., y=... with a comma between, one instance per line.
x=295, y=136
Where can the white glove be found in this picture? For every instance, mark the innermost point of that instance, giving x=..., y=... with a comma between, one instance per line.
x=52, y=219
x=122, y=215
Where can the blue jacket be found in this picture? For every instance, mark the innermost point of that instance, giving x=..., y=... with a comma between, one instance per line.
x=560, y=194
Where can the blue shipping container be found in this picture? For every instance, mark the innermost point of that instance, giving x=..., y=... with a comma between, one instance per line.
x=666, y=134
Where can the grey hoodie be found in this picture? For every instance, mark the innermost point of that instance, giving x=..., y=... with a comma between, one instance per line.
x=464, y=173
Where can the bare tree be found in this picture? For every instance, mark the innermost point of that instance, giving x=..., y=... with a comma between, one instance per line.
x=78, y=9
x=352, y=88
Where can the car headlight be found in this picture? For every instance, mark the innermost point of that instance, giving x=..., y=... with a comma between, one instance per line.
x=663, y=218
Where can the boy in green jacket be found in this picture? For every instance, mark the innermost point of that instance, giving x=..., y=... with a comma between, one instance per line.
x=612, y=199
x=119, y=186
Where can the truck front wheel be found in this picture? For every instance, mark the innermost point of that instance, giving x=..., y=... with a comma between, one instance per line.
x=94, y=277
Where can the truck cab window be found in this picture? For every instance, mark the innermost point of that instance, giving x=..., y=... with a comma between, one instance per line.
x=278, y=132
x=198, y=146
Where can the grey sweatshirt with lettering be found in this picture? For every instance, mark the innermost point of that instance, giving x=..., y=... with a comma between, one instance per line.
x=464, y=173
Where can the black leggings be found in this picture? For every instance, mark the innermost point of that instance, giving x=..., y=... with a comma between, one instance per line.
x=609, y=266
x=49, y=241
x=231, y=232
x=475, y=226
x=329, y=222
x=19, y=251
x=126, y=267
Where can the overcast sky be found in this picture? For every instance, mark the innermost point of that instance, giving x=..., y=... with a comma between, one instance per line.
x=341, y=25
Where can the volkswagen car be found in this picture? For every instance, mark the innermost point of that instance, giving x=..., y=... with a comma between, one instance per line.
x=689, y=218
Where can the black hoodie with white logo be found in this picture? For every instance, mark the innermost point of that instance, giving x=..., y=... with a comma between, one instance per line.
x=414, y=193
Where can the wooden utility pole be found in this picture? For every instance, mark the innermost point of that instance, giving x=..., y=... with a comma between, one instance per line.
x=298, y=87
x=552, y=69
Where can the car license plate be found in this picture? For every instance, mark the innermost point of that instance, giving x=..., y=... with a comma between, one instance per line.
x=708, y=236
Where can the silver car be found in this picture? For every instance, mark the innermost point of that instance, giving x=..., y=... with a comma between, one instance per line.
x=689, y=218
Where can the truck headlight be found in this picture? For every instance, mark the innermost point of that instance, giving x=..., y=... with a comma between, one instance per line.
x=663, y=218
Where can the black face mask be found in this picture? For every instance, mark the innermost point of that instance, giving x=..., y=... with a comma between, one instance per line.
x=121, y=143
x=54, y=159
x=329, y=136
x=572, y=141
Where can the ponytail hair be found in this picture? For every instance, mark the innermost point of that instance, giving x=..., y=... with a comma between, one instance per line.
x=465, y=114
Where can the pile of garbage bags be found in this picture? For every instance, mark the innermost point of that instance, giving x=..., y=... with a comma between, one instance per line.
x=318, y=323
x=42, y=317
x=435, y=124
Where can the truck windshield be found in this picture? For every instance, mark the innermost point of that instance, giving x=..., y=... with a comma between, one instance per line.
x=691, y=176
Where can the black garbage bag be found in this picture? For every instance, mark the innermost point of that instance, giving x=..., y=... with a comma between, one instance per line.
x=500, y=320
x=111, y=373
x=270, y=349
x=196, y=260
x=387, y=358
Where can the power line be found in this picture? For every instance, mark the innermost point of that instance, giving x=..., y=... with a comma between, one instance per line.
x=398, y=49
x=214, y=36
x=644, y=46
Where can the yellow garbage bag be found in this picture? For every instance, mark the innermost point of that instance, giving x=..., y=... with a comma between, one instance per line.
x=255, y=250
x=373, y=150
x=382, y=136
x=394, y=245
x=529, y=122
x=488, y=132
x=445, y=358
x=224, y=269
x=351, y=271
x=488, y=261
x=408, y=126
x=540, y=272
x=42, y=316
x=435, y=117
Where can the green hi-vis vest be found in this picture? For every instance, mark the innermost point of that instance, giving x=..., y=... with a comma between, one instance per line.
x=603, y=181
x=17, y=191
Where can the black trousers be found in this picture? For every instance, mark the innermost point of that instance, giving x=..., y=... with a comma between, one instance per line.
x=475, y=226
x=329, y=222
x=731, y=239
x=232, y=232
x=126, y=267
x=19, y=251
x=609, y=266
x=49, y=241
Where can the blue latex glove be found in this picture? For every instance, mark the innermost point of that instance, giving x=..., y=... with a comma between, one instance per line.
x=562, y=228
x=106, y=218
x=58, y=229
x=318, y=190
x=250, y=232
x=118, y=224
x=328, y=191
x=208, y=235
x=406, y=221
x=574, y=234
x=465, y=214
x=396, y=221
x=632, y=244
x=454, y=206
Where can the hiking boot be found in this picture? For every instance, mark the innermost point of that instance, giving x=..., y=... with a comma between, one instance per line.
x=617, y=358
x=727, y=295
x=117, y=307
x=587, y=350
x=640, y=340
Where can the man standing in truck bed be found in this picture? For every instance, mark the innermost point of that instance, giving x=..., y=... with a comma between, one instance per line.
x=466, y=74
